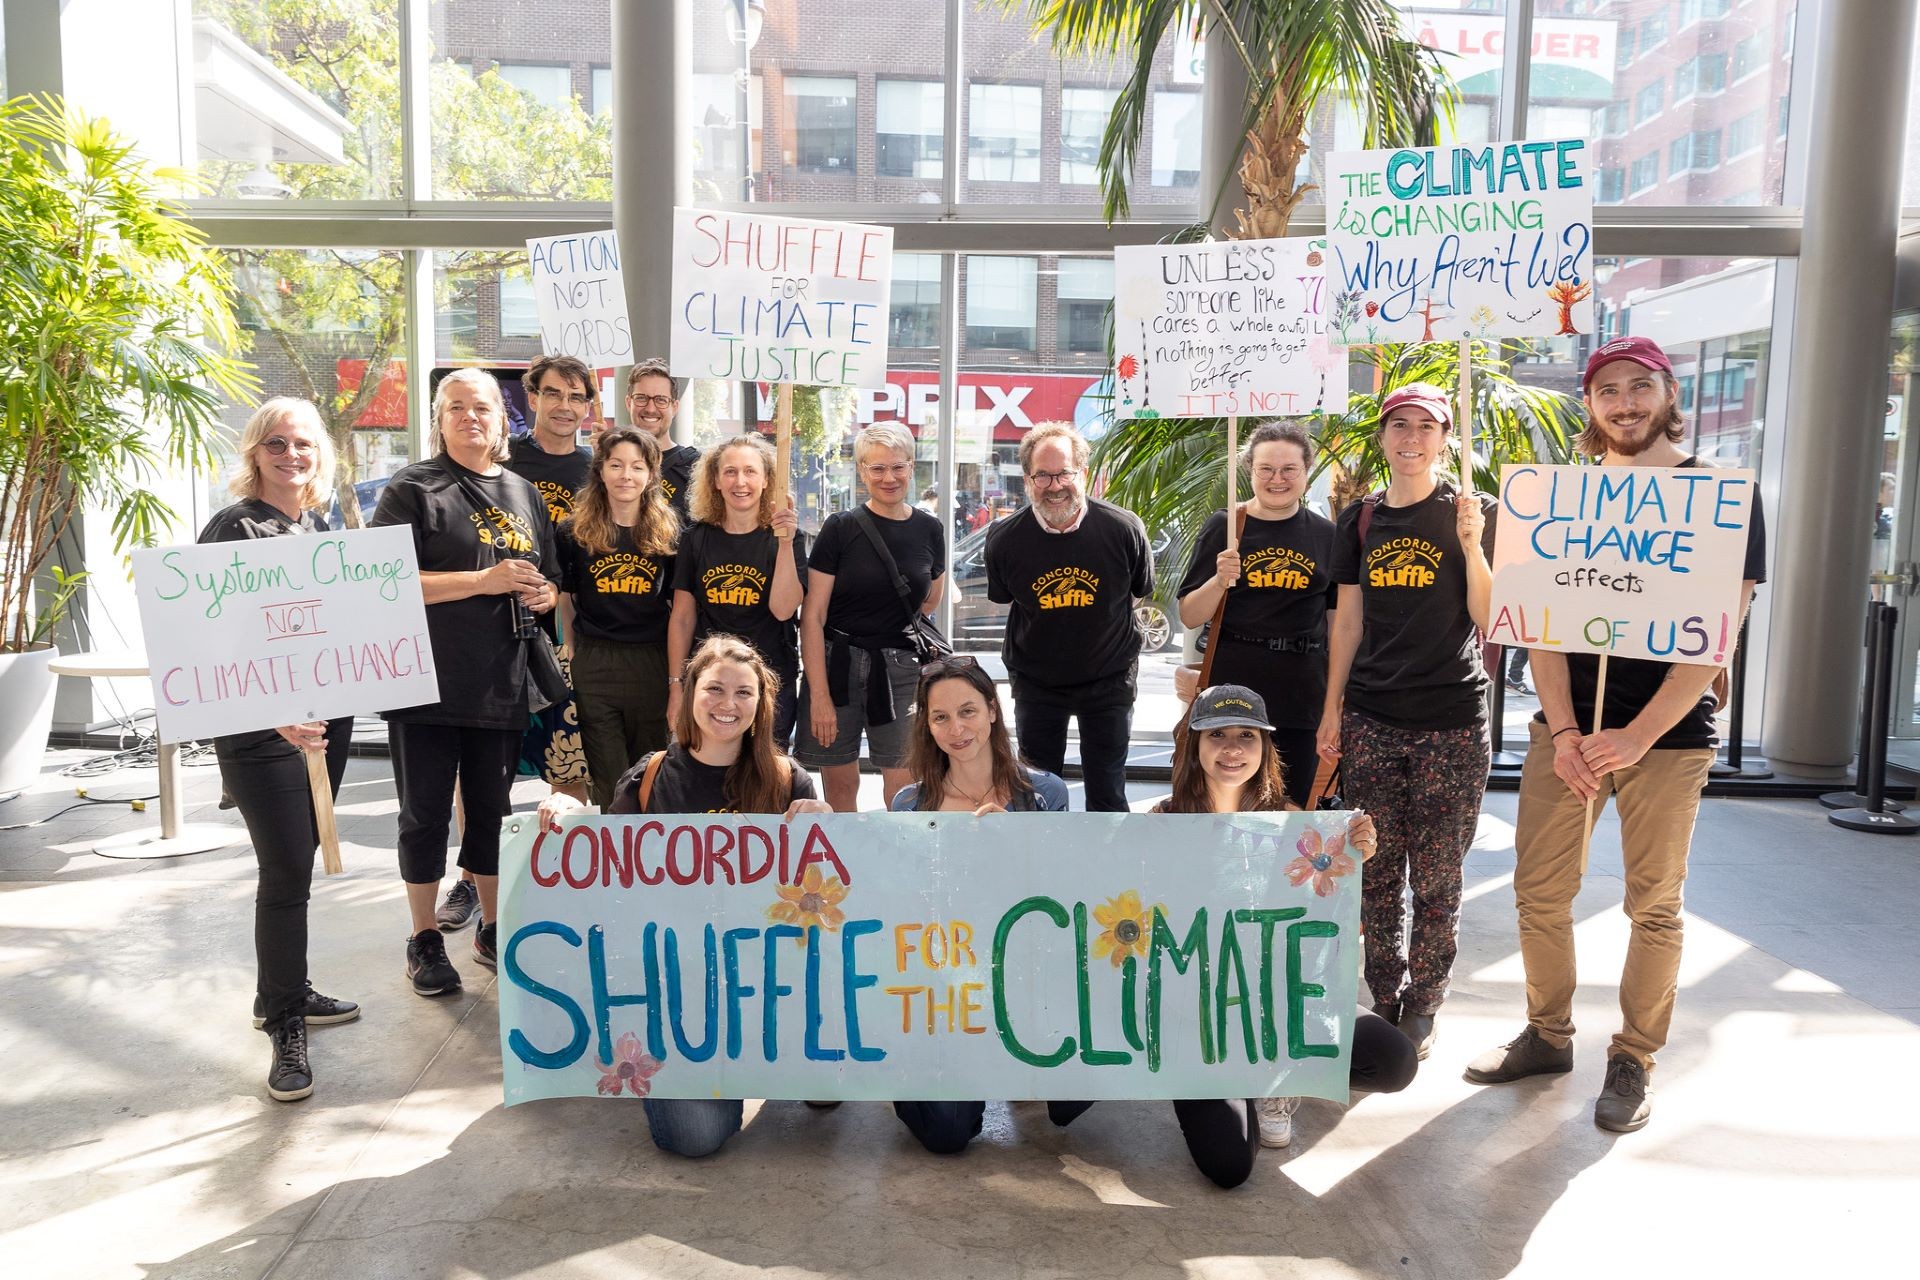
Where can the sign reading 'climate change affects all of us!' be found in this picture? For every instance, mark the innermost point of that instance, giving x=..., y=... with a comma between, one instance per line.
x=251, y=635
x=901, y=956
x=1442, y=243
x=1229, y=327
x=580, y=297
x=779, y=300
x=1643, y=562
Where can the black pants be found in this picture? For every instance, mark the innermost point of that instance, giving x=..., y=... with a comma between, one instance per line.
x=620, y=695
x=1104, y=734
x=273, y=797
x=427, y=758
x=944, y=1128
x=1299, y=761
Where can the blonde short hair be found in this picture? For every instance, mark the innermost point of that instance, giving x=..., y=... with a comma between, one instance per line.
x=883, y=435
x=704, y=503
x=318, y=492
x=483, y=382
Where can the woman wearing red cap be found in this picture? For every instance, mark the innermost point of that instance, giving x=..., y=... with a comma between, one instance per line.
x=1406, y=700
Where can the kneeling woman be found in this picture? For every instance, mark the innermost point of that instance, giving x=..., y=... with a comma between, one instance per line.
x=722, y=760
x=962, y=762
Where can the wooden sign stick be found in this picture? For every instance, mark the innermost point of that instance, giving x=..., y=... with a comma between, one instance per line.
x=1599, y=702
x=322, y=788
x=1233, y=479
x=1466, y=417
x=782, y=443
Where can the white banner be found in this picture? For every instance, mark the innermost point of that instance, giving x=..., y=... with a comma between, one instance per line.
x=581, y=299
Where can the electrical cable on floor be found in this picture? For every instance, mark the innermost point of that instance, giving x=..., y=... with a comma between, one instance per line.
x=138, y=804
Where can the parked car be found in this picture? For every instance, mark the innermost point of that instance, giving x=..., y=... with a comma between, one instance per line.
x=979, y=623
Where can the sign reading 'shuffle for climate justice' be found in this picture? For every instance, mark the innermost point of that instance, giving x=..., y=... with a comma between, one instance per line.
x=1443, y=243
x=580, y=298
x=779, y=300
x=1643, y=562
x=251, y=635
x=900, y=956
x=1234, y=327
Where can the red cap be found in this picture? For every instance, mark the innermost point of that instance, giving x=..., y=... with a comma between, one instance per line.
x=1644, y=352
x=1421, y=395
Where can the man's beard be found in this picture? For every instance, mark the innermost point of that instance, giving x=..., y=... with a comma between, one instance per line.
x=1655, y=430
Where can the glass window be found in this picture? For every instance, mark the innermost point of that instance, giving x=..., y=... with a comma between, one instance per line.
x=1003, y=133
x=1470, y=39
x=820, y=132
x=551, y=87
x=1002, y=302
x=1653, y=28
x=716, y=132
x=1613, y=185
x=1647, y=102
x=1084, y=290
x=1624, y=54
x=1176, y=138
x=601, y=90
x=1083, y=122
x=909, y=129
x=1694, y=151
x=913, y=310
x=1614, y=119
x=1750, y=54
x=519, y=315
x=1646, y=173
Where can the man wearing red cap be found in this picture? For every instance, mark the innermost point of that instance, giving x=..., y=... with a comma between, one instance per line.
x=1651, y=753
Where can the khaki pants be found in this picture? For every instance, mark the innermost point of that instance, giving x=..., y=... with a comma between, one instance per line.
x=1657, y=800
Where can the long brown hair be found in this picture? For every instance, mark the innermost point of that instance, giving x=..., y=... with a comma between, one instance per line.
x=704, y=502
x=928, y=763
x=756, y=782
x=655, y=532
x=1265, y=793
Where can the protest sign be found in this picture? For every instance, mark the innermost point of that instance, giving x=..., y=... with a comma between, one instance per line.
x=929, y=956
x=1460, y=242
x=275, y=631
x=580, y=298
x=779, y=300
x=1225, y=328
x=1642, y=562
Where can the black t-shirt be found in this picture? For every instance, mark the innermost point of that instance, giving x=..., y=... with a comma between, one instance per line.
x=1419, y=662
x=676, y=471
x=558, y=476
x=684, y=785
x=481, y=663
x=1632, y=682
x=244, y=521
x=619, y=595
x=864, y=602
x=1072, y=637
x=730, y=578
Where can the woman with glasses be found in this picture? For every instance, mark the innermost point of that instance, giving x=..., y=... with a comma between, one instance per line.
x=284, y=484
x=1278, y=588
x=872, y=569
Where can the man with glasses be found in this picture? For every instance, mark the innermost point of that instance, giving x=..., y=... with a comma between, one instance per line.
x=1072, y=568
x=653, y=397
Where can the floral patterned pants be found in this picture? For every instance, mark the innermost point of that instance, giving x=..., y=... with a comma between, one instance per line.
x=1423, y=788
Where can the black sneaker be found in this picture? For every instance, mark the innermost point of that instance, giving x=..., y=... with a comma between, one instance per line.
x=1527, y=1054
x=289, y=1077
x=461, y=904
x=1518, y=686
x=1623, y=1106
x=427, y=964
x=320, y=1011
x=484, y=950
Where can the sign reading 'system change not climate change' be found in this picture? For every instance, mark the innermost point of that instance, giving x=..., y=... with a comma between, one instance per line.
x=899, y=956
x=1460, y=242
x=765, y=299
x=252, y=635
x=1643, y=562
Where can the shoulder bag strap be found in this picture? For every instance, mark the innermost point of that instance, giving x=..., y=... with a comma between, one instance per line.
x=1219, y=611
x=864, y=519
x=647, y=777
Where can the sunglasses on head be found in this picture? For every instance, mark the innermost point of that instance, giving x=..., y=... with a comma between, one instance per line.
x=951, y=665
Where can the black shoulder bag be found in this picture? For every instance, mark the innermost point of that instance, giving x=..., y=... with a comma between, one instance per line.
x=922, y=637
x=546, y=682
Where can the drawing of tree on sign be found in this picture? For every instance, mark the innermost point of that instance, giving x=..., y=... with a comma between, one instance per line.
x=1427, y=316
x=1564, y=295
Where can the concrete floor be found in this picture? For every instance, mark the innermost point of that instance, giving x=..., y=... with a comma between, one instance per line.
x=136, y=1138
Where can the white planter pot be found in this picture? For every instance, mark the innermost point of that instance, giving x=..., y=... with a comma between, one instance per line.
x=26, y=713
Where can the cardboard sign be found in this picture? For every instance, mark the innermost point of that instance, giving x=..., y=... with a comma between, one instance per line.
x=580, y=298
x=1231, y=327
x=1444, y=243
x=780, y=299
x=929, y=956
x=1643, y=562
x=253, y=635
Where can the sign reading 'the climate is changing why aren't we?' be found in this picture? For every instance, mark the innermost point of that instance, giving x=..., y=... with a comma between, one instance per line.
x=580, y=298
x=1230, y=327
x=1643, y=562
x=1443, y=243
x=933, y=956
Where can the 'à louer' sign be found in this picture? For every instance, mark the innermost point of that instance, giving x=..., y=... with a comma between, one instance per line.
x=1644, y=562
x=1443, y=243
x=900, y=956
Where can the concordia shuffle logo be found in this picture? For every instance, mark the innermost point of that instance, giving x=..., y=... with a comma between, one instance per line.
x=1277, y=569
x=735, y=584
x=558, y=497
x=1066, y=588
x=1403, y=562
x=624, y=574
x=503, y=530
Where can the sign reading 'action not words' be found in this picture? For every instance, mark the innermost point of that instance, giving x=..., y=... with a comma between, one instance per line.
x=253, y=635
x=580, y=298
x=902, y=956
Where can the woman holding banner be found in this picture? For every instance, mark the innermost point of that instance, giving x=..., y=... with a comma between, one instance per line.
x=1276, y=589
x=741, y=570
x=1406, y=700
x=722, y=760
x=284, y=484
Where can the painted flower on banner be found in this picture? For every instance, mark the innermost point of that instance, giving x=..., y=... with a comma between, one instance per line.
x=1128, y=928
x=815, y=900
x=1322, y=862
x=632, y=1068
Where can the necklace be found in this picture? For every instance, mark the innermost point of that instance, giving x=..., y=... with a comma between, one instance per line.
x=970, y=798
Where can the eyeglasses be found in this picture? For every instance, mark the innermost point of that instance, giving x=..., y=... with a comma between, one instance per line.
x=951, y=665
x=279, y=445
x=1264, y=473
x=880, y=469
x=1047, y=479
x=639, y=401
x=573, y=399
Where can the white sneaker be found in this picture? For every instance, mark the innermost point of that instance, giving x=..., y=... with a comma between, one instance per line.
x=1276, y=1121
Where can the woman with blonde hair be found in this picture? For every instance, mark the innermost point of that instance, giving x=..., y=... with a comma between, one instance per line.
x=284, y=483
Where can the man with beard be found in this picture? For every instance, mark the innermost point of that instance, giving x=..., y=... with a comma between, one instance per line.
x=1651, y=755
x=653, y=397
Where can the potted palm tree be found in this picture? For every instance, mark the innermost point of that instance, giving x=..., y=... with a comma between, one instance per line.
x=115, y=321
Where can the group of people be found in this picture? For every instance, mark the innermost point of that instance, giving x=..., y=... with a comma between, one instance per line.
x=702, y=632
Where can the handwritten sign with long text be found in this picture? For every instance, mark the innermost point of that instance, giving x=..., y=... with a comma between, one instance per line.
x=581, y=298
x=1643, y=562
x=253, y=635
x=929, y=956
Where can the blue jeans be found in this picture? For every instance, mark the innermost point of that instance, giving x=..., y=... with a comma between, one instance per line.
x=1104, y=733
x=692, y=1127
